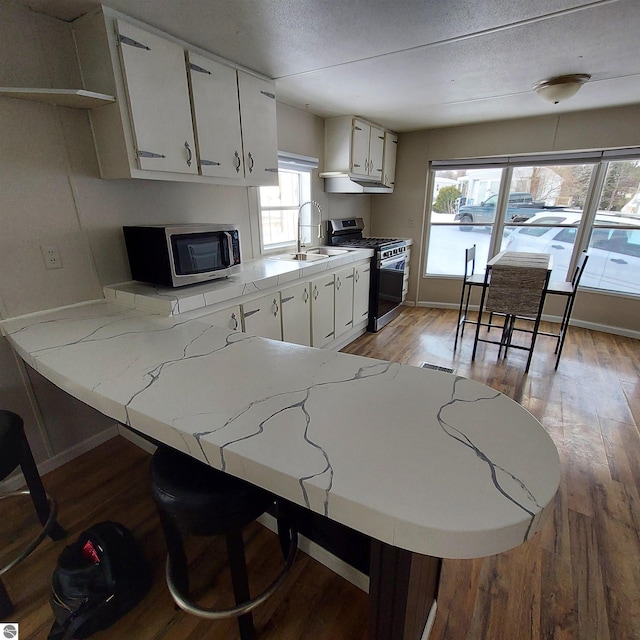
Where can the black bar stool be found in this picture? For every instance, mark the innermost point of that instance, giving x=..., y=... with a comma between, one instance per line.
x=15, y=452
x=195, y=499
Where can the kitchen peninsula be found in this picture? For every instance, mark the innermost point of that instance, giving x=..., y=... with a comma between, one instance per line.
x=427, y=464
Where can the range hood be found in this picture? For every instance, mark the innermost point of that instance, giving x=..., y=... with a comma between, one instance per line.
x=335, y=182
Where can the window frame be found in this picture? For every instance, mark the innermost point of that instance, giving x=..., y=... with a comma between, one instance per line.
x=601, y=161
x=303, y=166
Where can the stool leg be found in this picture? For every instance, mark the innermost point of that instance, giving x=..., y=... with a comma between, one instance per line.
x=175, y=549
x=36, y=488
x=6, y=608
x=239, y=577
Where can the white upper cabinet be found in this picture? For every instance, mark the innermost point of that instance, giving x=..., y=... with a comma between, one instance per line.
x=389, y=159
x=367, y=146
x=259, y=131
x=180, y=113
x=158, y=97
x=359, y=149
x=216, y=116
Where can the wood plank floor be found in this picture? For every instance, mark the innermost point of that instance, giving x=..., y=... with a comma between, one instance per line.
x=579, y=579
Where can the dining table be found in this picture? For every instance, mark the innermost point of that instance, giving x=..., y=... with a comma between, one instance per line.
x=515, y=287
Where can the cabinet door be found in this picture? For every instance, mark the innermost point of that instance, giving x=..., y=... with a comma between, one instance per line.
x=361, y=283
x=322, y=308
x=296, y=314
x=261, y=317
x=343, y=301
x=227, y=318
x=360, y=147
x=259, y=129
x=389, y=159
x=376, y=152
x=216, y=116
x=158, y=95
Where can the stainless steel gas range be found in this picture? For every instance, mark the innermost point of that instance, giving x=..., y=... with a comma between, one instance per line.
x=387, y=268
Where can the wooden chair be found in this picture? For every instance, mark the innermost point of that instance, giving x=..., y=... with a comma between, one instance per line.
x=568, y=290
x=515, y=293
x=470, y=280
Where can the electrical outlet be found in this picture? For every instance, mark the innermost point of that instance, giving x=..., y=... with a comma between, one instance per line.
x=51, y=255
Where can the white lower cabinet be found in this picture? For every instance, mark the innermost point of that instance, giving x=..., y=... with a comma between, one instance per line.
x=296, y=314
x=228, y=318
x=262, y=317
x=322, y=310
x=343, y=301
x=361, y=283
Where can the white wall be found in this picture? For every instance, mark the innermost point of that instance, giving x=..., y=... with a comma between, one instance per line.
x=404, y=213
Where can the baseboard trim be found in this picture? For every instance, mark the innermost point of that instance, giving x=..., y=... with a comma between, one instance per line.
x=320, y=554
x=17, y=481
x=593, y=326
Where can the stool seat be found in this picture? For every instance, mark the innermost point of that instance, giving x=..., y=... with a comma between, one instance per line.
x=195, y=499
x=15, y=452
x=202, y=500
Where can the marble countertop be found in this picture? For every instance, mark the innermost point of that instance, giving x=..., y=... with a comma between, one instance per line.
x=245, y=279
x=420, y=459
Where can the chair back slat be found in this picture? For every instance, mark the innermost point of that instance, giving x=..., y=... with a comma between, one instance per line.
x=469, y=259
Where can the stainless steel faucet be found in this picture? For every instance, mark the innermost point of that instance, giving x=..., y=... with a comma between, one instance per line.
x=300, y=225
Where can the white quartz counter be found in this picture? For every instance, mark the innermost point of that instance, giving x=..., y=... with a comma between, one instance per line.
x=247, y=278
x=420, y=459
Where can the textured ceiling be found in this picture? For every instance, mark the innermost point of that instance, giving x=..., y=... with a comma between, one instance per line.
x=410, y=64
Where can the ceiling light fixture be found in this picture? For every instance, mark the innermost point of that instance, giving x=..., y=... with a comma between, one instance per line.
x=561, y=87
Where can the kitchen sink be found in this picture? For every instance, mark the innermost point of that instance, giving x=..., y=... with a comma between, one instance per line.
x=326, y=251
x=311, y=255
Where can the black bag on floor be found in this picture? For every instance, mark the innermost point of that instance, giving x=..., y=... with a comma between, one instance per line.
x=98, y=579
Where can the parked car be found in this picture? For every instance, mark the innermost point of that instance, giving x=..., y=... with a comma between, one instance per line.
x=520, y=207
x=614, y=251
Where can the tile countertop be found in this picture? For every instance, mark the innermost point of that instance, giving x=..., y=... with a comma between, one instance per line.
x=247, y=278
x=420, y=459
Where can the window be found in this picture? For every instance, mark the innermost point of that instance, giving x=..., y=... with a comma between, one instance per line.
x=559, y=206
x=278, y=206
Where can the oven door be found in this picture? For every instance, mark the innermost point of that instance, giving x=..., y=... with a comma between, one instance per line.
x=387, y=294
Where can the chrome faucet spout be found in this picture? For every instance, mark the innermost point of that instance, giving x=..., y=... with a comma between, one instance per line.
x=300, y=225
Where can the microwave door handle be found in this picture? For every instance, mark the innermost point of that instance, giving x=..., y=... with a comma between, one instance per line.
x=229, y=242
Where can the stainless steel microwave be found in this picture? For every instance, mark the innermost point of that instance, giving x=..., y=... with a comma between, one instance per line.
x=175, y=255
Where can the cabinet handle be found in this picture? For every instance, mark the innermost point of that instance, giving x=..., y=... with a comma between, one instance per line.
x=251, y=162
x=234, y=321
x=250, y=313
x=357, y=276
x=305, y=295
x=189, y=154
x=276, y=308
x=338, y=283
x=238, y=162
x=351, y=276
x=287, y=299
x=315, y=292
